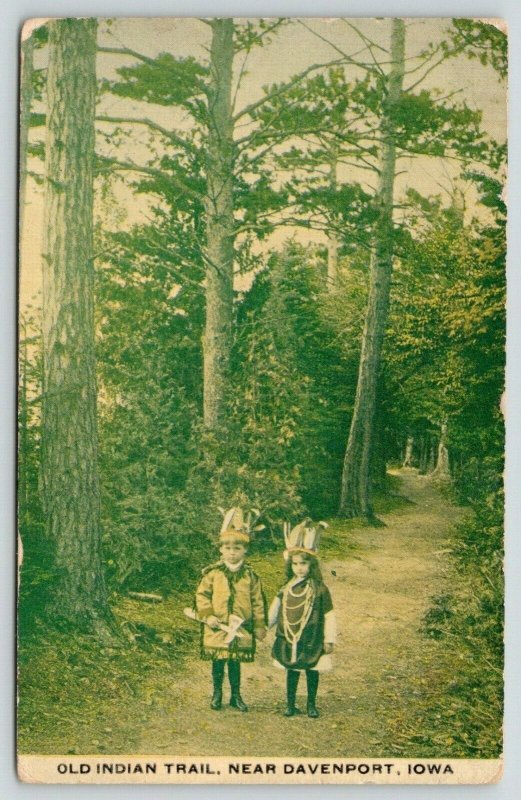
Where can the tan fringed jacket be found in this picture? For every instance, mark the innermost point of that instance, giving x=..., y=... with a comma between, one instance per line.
x=222, y=592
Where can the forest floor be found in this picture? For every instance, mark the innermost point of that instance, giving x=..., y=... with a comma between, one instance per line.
x=394, y=691
x=381, y=592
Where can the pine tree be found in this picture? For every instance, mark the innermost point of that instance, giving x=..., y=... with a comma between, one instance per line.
x=355, y=499
x=69, y=464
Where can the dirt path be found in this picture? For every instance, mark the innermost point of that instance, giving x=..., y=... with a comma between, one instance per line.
x=380, y=597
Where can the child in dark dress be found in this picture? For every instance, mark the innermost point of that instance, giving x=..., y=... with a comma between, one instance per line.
x=304, y=618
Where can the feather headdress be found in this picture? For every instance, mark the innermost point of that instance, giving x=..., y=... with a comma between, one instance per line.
x=303, y=538
x=238, y=525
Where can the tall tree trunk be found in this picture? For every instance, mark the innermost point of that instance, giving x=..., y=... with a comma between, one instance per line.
x=26, y=97
x=442, y=464
x=69, y=424
x=378, y=461
x=354, y=498
x=407, y=459
x=332, y=241
x=219, y=225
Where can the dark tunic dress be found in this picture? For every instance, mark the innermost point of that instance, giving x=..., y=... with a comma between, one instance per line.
x=311, y=642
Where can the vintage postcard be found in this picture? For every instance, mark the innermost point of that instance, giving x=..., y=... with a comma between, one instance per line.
x=261, y=358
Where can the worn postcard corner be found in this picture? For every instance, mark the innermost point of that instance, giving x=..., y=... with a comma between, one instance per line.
x=30, y=25
x=497, y=22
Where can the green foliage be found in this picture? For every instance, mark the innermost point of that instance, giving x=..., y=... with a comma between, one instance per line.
x=37, y=567
x=301, y=108
x=424, y=125
x=163, y=477
x=164, y=80
x=447, y=333
x=296, y=351
x=293, y=373
x=257, y=202
x=445, y=346
x=37, y=120
x=248, y=34
x=149, y=359
x=482, y=41
x=469, y=623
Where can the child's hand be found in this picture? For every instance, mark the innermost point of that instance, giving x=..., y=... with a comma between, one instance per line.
x=212, y=621
x=260, y=635
x=328, y=648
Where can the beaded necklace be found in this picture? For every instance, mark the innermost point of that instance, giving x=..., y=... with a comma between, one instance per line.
x=293, y=630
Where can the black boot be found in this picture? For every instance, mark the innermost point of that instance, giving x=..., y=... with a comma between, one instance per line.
x=291, y=692
x=312, y=681
x=217, y=677
x=234, y=675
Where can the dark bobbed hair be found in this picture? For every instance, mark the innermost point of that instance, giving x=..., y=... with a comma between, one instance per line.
x=314, y=567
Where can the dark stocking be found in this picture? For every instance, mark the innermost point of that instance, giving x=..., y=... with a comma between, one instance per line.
x=312, y=681
x=217, y=678
x=234, y=675
x=291, y=692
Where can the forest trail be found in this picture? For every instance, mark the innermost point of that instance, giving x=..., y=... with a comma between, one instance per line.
x=380, y=596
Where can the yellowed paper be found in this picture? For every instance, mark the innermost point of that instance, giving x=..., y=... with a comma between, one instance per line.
x=261, y=355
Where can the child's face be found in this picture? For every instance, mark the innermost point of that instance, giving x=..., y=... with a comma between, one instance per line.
x=300, y=566
x=233, y=552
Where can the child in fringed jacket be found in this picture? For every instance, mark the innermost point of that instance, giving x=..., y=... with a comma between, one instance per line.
x=304, y=618
x=230, y=592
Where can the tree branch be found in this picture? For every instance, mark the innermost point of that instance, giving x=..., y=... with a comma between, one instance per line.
x=281, y=136
x=260, y=36
x=127, y=51
x=258, y=157
x=239, y=80
x=151, y=124
x=437, y=63
x=323, y=227
x=161, y=252
x=424, y=61
x=368, y=43
x=285, y=88
x=350, y=59
x=113, y=165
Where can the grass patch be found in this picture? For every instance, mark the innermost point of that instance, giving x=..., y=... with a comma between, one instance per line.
x=337, y=541
x=78, y=697
x=392, y=504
